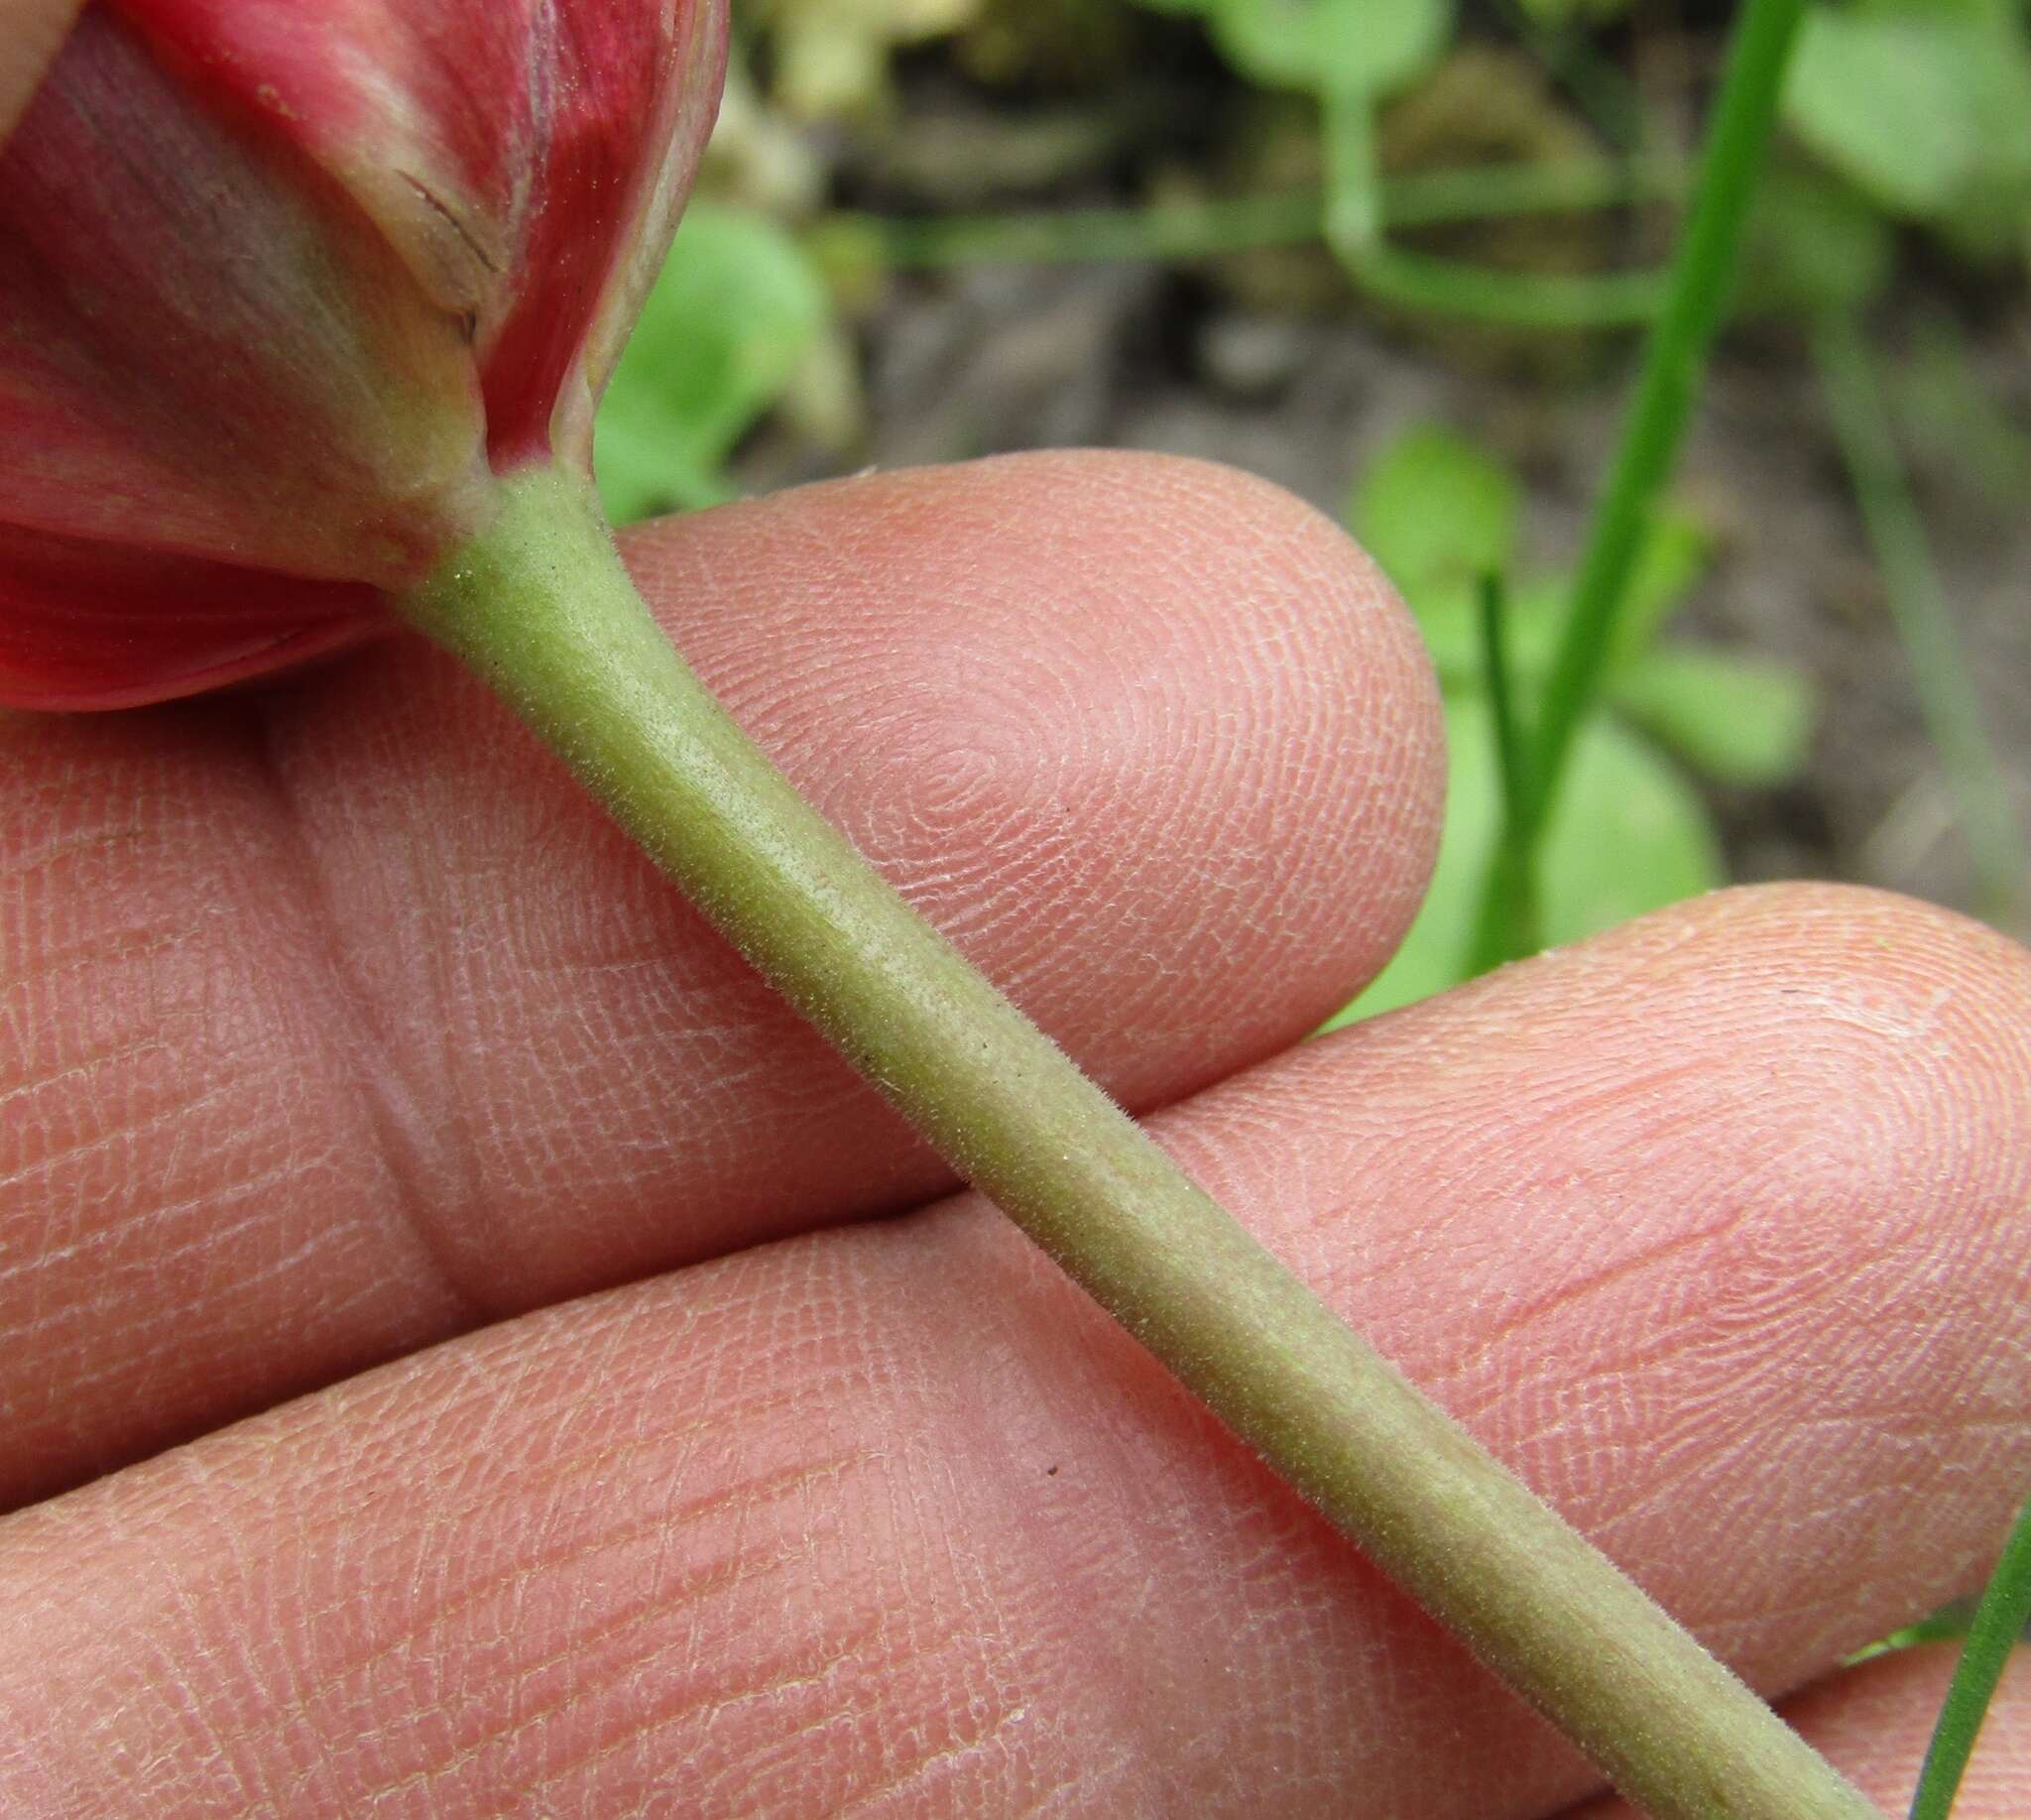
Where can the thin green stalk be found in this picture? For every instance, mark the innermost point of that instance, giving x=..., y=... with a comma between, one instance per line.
x=1556, y=188
x=1353, y=229
x=1925, y=623
x=1481, y=192
x=1702, y=273
x=1354, y=179
x=1500, y=675
x=1555, y=301
x=540, y=605
x=1998, y=1627
x=1515, y=929
x=1157, y=233
x=1162, y=232
x=1948, y=1624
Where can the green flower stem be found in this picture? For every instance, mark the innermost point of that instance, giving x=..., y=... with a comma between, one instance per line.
x=1353, y=223
x=540, y=605
x=1513, y=877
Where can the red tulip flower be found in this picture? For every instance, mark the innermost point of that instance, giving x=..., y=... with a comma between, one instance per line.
x=285, y=289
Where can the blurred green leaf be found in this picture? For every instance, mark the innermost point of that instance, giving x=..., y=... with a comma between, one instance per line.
x=1814, y=242
x=1438, y=512
x=1445, y=615
x=1448, y=614
x=737, y=308
x=1926, y=106
x=1436, y=508
x=1958, y=419
x=1629, y=835
x=1332, y=47
x=1676, y=550
x=1879, y=96
x=1738, y=719
x=1672, y=558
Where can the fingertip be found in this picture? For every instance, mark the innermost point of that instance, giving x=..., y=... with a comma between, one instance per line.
x=1893, y=1027
x=1014, y=641
x=1715, y=1226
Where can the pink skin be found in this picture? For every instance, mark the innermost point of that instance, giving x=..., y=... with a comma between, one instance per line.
x=87, y=623
x=1714, y=1227
x=278, y=302
x=344, y=1031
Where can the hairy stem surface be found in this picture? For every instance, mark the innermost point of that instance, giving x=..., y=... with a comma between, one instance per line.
x=541, y=607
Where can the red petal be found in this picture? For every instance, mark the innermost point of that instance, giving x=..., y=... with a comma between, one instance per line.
x=85, y=625
x=203, y=347
x=632, y=103
x=265, y=264
x=509, y=149
x=691, y=99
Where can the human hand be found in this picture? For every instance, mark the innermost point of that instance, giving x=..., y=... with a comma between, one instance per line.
x=338, y=1026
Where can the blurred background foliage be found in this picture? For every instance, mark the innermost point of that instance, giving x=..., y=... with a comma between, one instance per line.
x=1398, y=255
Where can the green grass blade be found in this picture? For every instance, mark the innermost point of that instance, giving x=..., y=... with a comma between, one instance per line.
x=1171, y=230
x=1702, y=276
x=1946, y=691
x=1354, y=179
x=1502, y=692
x=1999, y=1621
x=1512, y=928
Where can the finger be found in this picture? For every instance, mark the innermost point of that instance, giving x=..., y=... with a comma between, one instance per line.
x=334, y=1020
x=32, y=31
x=1875, y=1722
x=1714, y=1229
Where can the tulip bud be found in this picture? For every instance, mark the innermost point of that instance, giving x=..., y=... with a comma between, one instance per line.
x=285, y=289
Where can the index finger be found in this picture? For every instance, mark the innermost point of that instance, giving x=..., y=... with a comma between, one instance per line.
x=334, y=1020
